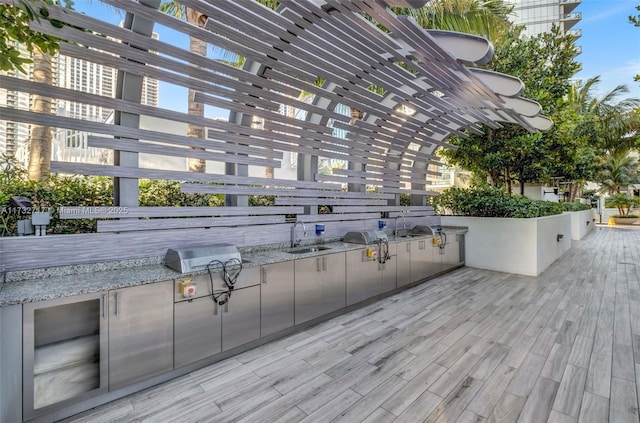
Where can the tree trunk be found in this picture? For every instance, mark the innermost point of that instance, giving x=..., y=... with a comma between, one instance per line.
x=493, y=178
x=196, y=46
x=507, y=180
x=41, y=136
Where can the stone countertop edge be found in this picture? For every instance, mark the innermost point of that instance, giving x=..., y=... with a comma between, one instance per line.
x=104, y=278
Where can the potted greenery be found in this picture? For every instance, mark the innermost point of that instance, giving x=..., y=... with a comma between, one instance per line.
x=624, y=203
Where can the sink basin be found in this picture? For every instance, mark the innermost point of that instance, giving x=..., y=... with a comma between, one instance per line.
x=309, y=250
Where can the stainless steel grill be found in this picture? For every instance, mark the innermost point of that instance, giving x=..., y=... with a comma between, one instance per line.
x=196, y=259
x=365, y=237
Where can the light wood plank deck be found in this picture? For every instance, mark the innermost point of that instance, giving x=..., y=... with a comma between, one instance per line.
x=470, y=346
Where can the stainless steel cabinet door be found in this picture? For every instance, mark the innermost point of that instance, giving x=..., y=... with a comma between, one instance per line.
x=364, y=276
x=333, y=278
x=308, y=289
x=276, y=293
x=140, y=333
x=198, y=330
x=451, y=256
x=403, y=263
x=421, y=258
x=241, y=317
x=319, y=286
x=389, y=270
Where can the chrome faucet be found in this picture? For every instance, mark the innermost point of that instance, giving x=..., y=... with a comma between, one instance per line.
x=295, y=243
x=395, y=224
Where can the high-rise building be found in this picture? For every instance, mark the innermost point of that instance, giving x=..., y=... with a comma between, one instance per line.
x=68, y=145
x=539, y=16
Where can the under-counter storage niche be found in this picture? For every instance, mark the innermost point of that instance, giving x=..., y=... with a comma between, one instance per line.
x=64, y=352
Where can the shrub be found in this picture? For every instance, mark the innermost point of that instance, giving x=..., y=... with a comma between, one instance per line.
x=575, y=206
x=88, y=191
x=491, y=202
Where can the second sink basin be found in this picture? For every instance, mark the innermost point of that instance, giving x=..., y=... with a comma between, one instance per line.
x=309, y=250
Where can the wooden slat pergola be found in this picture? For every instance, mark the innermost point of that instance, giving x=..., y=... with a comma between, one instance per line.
x=408, y=90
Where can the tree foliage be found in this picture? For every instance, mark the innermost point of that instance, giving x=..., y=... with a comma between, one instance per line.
x=545, y=63
x=14, y=19
x=487, y=18
x=635, y=20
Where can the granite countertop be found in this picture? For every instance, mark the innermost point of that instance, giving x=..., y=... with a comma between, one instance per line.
x=45, y=285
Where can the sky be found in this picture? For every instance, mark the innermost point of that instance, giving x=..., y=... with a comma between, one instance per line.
x=610, y=44
x=610, y=47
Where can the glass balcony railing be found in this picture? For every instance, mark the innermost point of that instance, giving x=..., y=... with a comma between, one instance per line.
x=572, y=16
x=575, y=32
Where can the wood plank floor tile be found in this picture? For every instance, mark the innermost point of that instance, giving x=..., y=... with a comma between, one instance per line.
x=539, y=403
x=371, y=401
x=595, y=409
x=398, y=403
x=508, y=409
x=527, y=375
x=557, y=417
x=492, y=390
x=581, y=351
x=554, y=366
x=570, y=391
x=624, y=401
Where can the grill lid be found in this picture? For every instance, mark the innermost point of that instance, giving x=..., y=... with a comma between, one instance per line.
x=422, y=230
x=195, y=259
x=365, y=237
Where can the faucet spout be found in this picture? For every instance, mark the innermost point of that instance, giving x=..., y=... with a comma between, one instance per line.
x=294, y=242
x=395, y=223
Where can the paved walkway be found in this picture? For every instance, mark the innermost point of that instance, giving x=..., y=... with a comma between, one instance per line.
x=471, y=346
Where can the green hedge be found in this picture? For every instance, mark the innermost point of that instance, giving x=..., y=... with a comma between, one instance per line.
x=492, y=202
x=57, y=191
x=575, y=206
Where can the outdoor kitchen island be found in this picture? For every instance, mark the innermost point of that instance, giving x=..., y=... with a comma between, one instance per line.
x=73, y=338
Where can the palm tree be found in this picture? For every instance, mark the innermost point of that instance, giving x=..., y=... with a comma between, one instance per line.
x=617, y=172
x=487, y=18
x=197, y=46
x=40, y=136
x=615, y=121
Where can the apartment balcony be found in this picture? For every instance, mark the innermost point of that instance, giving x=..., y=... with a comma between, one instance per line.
x=570, y=19
x=569, y=5
x=575, y=32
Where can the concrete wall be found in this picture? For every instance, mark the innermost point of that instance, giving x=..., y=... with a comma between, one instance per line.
x=582, y=222
x=522, y=246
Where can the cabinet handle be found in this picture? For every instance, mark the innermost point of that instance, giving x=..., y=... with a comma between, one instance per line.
x=215, y=308
x=117, y=303
x=408, y=247
x=264, y=275
x=318, y=265
x=324, y=263
x=104, y=307
x=226, y=307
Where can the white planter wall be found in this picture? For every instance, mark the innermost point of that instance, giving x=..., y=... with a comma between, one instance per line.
x=582, y=222
x=522, y=246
